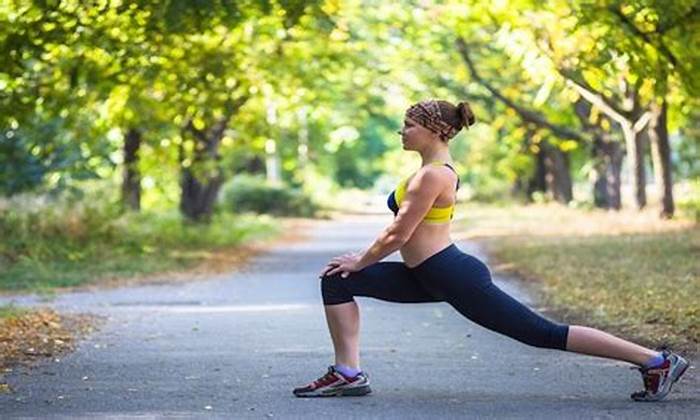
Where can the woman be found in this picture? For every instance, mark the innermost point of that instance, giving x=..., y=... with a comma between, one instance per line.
x=435, y=270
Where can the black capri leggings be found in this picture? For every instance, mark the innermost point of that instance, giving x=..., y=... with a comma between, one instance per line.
x=451, y=276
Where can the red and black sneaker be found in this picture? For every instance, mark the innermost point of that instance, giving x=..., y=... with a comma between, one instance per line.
x=335, y=384
x=658, y=380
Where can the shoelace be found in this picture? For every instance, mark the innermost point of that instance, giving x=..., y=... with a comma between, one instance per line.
x=326, y=379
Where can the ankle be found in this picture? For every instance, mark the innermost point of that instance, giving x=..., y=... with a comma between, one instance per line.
x=654, y=361
x=349, y=371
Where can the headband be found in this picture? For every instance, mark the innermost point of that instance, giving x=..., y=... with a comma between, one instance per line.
x=427, y=113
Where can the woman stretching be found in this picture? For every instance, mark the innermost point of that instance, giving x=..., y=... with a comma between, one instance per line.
x=436, y=270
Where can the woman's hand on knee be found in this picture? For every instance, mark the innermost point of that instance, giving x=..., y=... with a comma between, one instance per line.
x=326, y=269
x=343, y=264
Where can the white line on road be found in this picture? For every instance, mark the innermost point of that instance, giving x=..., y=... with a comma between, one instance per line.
x=216, y=309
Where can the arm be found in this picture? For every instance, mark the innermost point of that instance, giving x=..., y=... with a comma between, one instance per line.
x=420, y=195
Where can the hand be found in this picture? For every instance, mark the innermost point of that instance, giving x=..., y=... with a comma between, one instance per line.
x=345, y=264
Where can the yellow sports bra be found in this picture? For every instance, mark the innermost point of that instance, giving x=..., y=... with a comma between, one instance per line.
x=436, y=215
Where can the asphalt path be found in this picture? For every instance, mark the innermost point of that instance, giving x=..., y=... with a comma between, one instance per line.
x=234, y=346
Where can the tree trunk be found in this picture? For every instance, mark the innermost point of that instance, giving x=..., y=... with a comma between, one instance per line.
x=606, y=188
x=131, y=184
x=661, y=157
x=557, y=176
x=201, y=180
x=198, y=197
x=632, y=118
x=613, y=153
x=202, y=177
x=634, y=143
x=538, y=181
x=601, y=198
x=607, y=157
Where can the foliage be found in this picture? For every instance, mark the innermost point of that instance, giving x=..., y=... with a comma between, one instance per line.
x=247, y=193
x=689, y=204
x=75, y=78
x=68, y=240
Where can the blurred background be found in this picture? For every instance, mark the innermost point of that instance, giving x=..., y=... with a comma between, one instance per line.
x=139, y=136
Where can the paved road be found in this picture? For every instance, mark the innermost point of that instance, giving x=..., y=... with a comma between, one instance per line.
x=235, y=345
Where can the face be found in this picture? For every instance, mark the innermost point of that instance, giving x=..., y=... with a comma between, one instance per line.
x=416, y=137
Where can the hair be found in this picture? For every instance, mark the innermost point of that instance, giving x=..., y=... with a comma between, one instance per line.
x=457, y=116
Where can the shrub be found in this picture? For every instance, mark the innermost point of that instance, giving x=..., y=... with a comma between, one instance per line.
x=70, y=241
x=689, y=204
x=691, y=208
x=248, y=193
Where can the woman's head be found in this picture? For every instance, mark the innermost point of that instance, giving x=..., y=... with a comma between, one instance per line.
x=434, y=120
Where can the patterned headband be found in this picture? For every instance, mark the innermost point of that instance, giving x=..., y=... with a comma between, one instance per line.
x=427, y=113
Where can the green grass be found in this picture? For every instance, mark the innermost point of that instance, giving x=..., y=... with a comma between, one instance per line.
x=10, y=311
x=59, y=247
x=628, y=273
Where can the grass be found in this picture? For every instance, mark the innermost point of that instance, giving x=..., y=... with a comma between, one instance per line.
x=58, y=247
x=627, y=272
x=11, y=311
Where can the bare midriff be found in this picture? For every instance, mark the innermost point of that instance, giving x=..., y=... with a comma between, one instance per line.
x=428, y=238
x=426, y=241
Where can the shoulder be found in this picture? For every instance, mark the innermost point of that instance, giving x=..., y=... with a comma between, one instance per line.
x=431, y=176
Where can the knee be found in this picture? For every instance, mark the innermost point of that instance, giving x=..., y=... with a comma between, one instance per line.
x=334, y=290
x=549, y=335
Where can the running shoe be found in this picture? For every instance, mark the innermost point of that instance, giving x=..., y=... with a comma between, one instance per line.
x=658, y=380
x=335, y=384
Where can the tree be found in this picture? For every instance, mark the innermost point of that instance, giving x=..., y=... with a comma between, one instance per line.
x=651, y=36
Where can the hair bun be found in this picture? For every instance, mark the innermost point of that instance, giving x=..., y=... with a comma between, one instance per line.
x=465, y=111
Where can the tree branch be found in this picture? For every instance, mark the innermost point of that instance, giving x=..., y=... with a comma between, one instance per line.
x=526, y=114
x=642, y=122
x=598, y=100
x=662, y=29
x=603, y=102
x=661, y=47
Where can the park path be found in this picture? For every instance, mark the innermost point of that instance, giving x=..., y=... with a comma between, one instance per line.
x=234, y=346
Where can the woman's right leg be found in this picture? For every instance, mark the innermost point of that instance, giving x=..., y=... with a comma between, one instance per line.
x=344, y=325
x=387, y=280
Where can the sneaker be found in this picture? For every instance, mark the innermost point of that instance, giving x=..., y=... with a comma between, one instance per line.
x=659, y=379
x=335, y=384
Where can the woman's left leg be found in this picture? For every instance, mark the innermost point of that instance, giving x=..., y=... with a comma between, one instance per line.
x=501, y=312
x=587, y=340
x=465, y=282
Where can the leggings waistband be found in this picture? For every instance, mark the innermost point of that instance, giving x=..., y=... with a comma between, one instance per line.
x=439, y=257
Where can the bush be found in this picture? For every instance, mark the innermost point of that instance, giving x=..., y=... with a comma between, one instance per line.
x=689, y=204
x=691, y=209
x=493, y=192
x=248, y=193
x=67, y=241
x=42, y=228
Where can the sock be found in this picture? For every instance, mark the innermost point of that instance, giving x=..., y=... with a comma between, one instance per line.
x=347, y=370
x=655, y=361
